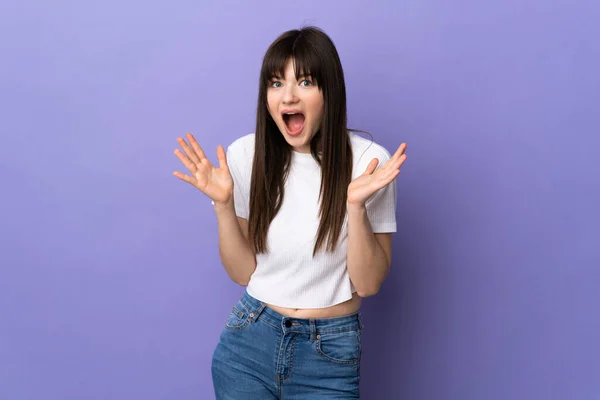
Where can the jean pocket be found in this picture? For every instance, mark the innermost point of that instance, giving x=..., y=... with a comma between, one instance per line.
x=341, y=348
x=238, y=319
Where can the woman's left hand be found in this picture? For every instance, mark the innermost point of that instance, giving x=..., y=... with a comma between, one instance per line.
x=366, y=185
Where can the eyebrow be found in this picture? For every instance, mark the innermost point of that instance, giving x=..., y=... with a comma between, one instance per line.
x=301, y=76
x=305, y=76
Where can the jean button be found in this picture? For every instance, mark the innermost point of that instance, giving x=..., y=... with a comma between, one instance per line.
x=288, y=323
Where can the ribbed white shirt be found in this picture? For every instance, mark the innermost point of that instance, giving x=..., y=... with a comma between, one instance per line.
x=288, y=275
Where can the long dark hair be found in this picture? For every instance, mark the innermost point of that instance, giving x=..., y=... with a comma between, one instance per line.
x=314, y=55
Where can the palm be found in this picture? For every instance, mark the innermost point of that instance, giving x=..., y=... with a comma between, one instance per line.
x=215, y=182
x=361, y=189
x=372, y=180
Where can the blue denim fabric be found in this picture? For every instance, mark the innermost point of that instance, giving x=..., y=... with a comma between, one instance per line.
x=263, y=355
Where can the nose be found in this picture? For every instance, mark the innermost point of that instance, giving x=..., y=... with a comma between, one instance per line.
x=289, y=94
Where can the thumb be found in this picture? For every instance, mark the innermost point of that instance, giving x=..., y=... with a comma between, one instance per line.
x=371, y=167
x=221, y=157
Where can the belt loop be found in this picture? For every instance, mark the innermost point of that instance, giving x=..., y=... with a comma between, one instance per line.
x=313, y=330
x=256, y=313
x=253, y=307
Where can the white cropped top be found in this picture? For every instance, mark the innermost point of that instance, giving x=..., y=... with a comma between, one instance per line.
x=288, y=275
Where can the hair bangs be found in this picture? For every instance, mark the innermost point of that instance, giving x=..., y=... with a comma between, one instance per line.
x=296, y=48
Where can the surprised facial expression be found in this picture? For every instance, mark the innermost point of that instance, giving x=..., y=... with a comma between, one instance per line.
x=296, y=106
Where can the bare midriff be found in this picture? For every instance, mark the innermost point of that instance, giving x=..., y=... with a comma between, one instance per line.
x=346, y=308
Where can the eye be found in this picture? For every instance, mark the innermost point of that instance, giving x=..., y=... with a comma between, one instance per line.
x=306, y=82
x=276, y=84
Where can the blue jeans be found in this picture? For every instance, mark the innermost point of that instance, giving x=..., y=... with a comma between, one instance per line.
x=263, y=355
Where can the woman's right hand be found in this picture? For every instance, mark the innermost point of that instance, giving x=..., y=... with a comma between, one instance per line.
x=214, y=182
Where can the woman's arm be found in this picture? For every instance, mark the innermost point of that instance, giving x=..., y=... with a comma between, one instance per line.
x=235, y=251
x=369, y=254
x=217, y=183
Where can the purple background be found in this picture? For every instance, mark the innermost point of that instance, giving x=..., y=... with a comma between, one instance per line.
x=110, y=281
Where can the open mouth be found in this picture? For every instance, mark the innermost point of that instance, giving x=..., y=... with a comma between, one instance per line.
x=294, y=122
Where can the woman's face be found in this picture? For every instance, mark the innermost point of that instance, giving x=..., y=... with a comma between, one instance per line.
x=296, y=106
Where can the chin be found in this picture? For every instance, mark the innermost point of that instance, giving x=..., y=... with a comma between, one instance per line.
x=298, y=142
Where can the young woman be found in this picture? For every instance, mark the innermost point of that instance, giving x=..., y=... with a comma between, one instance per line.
x=305, y=218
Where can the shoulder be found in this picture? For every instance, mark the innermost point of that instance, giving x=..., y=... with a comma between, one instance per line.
x=241, y=150
x=366, y=149
x=243, y=144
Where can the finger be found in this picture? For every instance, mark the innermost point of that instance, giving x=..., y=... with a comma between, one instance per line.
x=221, y=156
x=395, y=163
x=188, y=150
x=371, y=167
x=185, y=161
x=391, y=169
x=184, y=177
x=400, y=151
x=197, y=148
x=402, y=160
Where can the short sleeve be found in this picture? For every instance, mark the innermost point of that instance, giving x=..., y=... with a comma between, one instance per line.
x=381, y=208
x=236, y=161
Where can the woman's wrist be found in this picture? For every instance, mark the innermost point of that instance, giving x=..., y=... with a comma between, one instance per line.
x=225, y=206
x=355, y=207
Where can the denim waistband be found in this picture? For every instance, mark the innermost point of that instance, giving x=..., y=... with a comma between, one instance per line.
x=313, y=326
